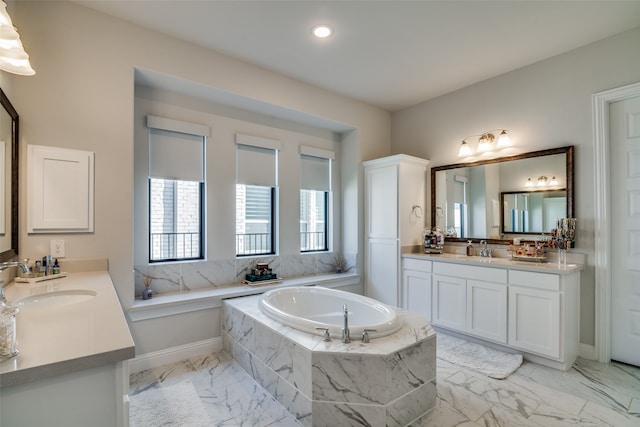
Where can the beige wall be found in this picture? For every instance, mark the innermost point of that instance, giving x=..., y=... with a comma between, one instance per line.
x=83, y=97
x=544, y=105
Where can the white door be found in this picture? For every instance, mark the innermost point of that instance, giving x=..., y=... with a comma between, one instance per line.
x=416, y=292
x=625, y=230
x=534, y=320
x=382, y=270
x=449, y=302
x=487, y=310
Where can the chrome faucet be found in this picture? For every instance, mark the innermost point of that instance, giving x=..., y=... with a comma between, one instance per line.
x=23, y=267
x=346, y=336
x=485, y=252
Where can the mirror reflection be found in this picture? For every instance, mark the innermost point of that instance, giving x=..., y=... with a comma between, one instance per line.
x=491, y=199
x=532, y=212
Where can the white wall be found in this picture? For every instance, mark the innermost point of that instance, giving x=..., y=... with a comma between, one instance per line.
x=83, y=97
x=544, y=105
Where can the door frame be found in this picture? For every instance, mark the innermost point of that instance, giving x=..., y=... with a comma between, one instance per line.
x=602, y=152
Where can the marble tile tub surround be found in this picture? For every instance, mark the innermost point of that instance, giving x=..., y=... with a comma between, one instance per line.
x=589, y=394
x=389, y=381
x=203, y=275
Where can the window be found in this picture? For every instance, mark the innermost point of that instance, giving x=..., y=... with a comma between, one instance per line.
x=175, y=219
x=254, y=220
x=256, y=195
x=313, y=220
x=315, y=190
x=176, y=190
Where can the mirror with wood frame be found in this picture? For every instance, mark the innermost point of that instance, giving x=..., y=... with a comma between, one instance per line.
x=8, y=179
x=496, y=199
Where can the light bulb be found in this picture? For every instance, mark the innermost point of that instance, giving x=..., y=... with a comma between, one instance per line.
x=503, y=140
x=464, y=149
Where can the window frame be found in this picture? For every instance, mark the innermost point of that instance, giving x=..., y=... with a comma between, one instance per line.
x=273, y=228
x=326, y=225
x=201, y=226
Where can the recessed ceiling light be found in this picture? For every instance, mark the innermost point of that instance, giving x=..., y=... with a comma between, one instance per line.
x=322, y=31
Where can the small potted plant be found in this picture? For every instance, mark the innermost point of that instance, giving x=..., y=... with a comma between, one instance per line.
x=339, y=262
x=147, y=278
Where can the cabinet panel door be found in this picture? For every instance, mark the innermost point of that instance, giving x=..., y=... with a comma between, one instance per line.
x=534, y=320
x=60, y=190
x=382, y=202
x=487, y=310
x=382, y=270
x=449, y=302
x=416, y=292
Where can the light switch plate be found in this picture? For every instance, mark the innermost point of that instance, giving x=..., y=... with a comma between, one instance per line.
x=57, y=248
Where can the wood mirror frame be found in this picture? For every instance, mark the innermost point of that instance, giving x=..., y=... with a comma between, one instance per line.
x=541, y=153
x=12, y=252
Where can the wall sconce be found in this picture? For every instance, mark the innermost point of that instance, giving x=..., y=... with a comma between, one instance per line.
x=553, y=181
x=529, y=183
x=13, y=57
x=485, y=142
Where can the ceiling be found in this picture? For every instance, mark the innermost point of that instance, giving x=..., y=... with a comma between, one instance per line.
x=391, y=54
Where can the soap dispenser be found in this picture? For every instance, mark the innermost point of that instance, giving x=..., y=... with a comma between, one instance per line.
x=470, y=251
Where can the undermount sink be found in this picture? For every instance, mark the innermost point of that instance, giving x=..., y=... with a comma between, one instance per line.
x=48, y=299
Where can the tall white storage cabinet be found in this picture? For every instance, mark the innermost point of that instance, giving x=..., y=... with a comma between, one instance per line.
x=394, y=217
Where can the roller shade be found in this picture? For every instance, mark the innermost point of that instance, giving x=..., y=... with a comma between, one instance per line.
x=256, y=161
x=176, y=149
x=315, y=173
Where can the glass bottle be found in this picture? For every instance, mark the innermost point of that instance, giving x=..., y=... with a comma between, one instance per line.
x=470, y=251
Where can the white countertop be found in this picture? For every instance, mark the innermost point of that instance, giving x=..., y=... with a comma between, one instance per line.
x=541, y=267
x=58, y=339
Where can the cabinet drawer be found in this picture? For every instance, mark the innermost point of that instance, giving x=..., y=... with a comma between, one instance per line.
x=416, y=264
x=550, y=282
x=487, y=274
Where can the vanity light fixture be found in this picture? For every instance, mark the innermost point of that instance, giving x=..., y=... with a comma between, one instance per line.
x=553, y=181
x=13, y=57
x=322, y=31
x=485, y=142
x=503, y=140
x=529, y=183
x=464, y=149
x=542, y=181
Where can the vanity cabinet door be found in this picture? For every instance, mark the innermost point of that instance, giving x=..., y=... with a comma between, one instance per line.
x=487, y=310
x=416, y=292
x=534, y=320
x=449, y=302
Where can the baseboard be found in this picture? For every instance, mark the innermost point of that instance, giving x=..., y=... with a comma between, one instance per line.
x=588, y=351
x=174, y=354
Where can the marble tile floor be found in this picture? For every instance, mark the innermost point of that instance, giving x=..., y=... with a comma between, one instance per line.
x=590, y=394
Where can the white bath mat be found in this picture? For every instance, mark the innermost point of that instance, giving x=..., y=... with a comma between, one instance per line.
x=176, y=405
x=488, y=361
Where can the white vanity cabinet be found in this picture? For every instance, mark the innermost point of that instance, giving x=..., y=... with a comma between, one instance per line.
x=471, y=299
x=416, y=286
x=544, y=313
x=394, y=217
x=530, y=308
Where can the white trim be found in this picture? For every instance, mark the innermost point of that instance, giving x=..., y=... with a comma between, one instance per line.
x=178, y=126
x=587, y=351
x=601, y=147
x=174, y=354
x=257, y=141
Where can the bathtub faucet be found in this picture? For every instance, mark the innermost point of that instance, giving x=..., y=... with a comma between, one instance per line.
x=346, y=338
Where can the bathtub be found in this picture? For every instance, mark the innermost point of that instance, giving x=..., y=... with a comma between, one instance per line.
x=307, y=308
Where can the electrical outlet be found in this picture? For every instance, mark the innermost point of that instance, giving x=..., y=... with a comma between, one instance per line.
x=57, y=248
